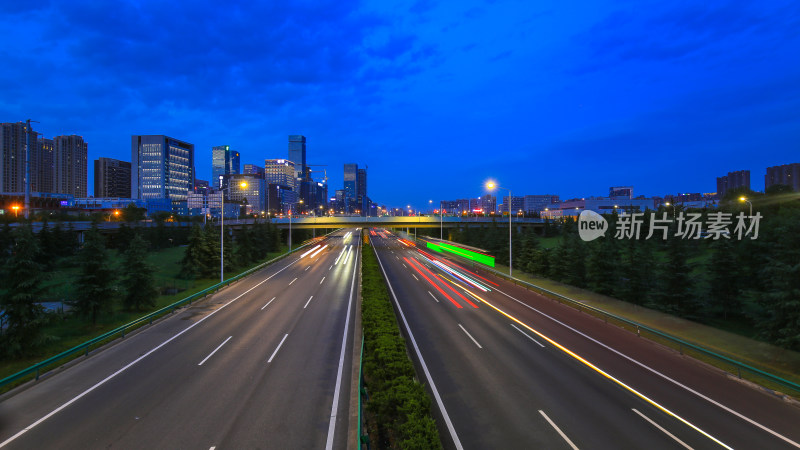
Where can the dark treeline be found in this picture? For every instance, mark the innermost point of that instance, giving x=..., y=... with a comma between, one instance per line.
x=104, y=283
x=751, y=286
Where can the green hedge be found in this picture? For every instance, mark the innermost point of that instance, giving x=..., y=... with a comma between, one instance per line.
x=398, y=408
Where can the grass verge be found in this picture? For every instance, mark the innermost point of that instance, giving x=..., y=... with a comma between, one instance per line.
x=398, y=408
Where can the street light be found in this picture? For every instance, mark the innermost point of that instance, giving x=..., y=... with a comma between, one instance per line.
x=492, y=185
x=243, y=185
x=16, y=210
x=744, y=199
x=290, y=222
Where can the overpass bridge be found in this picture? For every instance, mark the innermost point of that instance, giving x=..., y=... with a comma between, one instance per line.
x=314, y=223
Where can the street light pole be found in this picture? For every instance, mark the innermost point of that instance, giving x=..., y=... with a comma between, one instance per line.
x=492, y=185
x=441, y=220
x=222, y=233
x=744, y=199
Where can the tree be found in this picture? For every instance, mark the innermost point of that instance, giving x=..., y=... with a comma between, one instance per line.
x=674, y=294
x=95, y=287
x=132, y=213
x=724, y=279
x=140, y=290
x=23, y=286
x=602, y=268
x=196, y=257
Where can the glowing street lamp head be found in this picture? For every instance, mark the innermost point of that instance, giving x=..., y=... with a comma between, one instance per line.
x=742, y=199
x=490, y=185
x=243, y=184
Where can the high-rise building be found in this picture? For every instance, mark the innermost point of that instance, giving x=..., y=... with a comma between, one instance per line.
x=297, y=154
x=280, y=172
x=43, y=166
x=224, y=162
x=70, y=162
x=162, y=168
x=112, y=178
x=734, y=180
x=252, y=169
x=788, y=174
x=13, y=138
x=361, y=192
x=350, y=187
x=249, y=190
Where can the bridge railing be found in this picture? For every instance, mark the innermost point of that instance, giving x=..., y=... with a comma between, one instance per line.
x=729, y=364
x=84, y=348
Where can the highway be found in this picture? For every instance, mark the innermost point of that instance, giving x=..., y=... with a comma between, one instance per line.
x=264, y=363
x=509, y=368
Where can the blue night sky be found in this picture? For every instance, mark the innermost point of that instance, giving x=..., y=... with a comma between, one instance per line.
x=435, y=97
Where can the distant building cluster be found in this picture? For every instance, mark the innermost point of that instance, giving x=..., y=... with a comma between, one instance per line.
x=161, y=177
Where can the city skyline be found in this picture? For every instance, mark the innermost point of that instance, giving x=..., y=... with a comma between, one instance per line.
x=543, y=99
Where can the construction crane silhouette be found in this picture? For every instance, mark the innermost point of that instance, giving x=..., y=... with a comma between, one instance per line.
x=324, y=171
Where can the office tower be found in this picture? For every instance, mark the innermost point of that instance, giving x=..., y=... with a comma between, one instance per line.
x=249, y=190
x=112, y=178
x=297, y=154
x=350, y=187
x=70, y=162
x=161, y=168
x=224, y=162
x=13, y=138
x=788, y=174
x=43, y=166
x=361, y=191
x=280, y=172
x=252, y=169
x=734, y=180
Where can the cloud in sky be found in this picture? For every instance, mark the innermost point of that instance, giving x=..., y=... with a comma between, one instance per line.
x=433, y=97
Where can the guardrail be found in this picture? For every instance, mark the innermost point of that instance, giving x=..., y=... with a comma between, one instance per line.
x=681, y=344
x=84, y=347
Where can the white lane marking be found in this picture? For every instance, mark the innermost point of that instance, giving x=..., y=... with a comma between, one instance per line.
x=434, y=297
x=415, y=277
x=527, y=336
x=335, y=404
x=277, y=348
x=307, y=268
x=609, y=376
x=262, y=308
x=662, y=429
x=331, y=267
x=558, y=429
x=675, y=382
x=215, y=351
x=212, y=448
x=435, y=391
x=309, y=301
x=398, y=258
x=323, y=279
x=290, y=283
x=470, y=336
x=104, y=380
x=405, y=266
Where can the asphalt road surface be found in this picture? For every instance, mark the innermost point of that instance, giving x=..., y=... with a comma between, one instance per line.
x=265, y=363
x=511, y=369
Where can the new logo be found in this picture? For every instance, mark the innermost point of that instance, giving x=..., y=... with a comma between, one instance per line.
x=591, y=225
